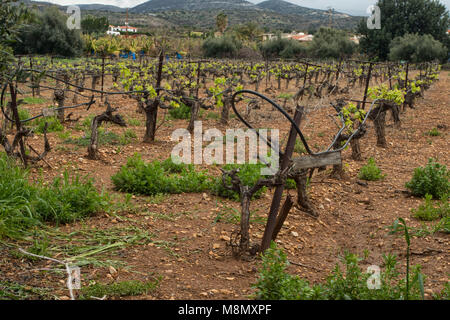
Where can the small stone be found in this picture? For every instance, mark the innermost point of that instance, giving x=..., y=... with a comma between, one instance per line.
x=112, y=270
x=294, y=234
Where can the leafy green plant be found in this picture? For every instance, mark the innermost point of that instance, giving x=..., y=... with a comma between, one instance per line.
x=23, y=114
x=433, y=180
x=370, y=171
x=158, y=177
x=299, y=148
x=382, y=92
x=53, y=124
x=119, y=289
x=275, y=283
x=428, y=212
x=400, y=226
x=433, y=132
x=180, y=112
x=134, y=122
x=127, y=137
x=34, y=100
x=104, y=137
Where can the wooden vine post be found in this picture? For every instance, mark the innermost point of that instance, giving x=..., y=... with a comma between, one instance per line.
x=103, y=76
x=278, y=194
x=369, y=74
x=196, y=105
x=151, y=108
x=107, y=116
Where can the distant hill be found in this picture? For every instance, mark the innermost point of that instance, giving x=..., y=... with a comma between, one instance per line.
x=189, y=5
x=285, y=7
x=200, y=15
x=101, y=7
x=271, y=14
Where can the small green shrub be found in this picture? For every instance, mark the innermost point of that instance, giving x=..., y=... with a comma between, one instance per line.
x=299, y=147
x=127, y=137
x=64, y=135
x=275, y=283
x=33, y=100
x=428, y=212
x=118, y=289
x=181, y=112
x=159, y=177
x=433, y=180
x=104, y=138
x=53, y=124
x=23, y=114
x=213, y=115
x=434, y=132
x=370, y=171
x=134, y=122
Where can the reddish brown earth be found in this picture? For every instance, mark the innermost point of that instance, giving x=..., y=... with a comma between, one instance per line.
x=199, y=265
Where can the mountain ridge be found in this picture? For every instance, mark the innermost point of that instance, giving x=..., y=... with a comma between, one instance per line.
x=270, y=15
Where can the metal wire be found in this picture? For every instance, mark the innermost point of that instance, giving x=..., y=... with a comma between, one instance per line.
x=289, y=118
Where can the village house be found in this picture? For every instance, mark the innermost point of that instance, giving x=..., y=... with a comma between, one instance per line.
x=112, y=30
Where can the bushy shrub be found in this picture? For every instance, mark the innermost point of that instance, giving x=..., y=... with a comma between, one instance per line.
x=433, y=180
x=223, y=47
x=159, y=177
x=331, y=43
x=246, y=53
x=49, y=35
x=370, y=171
x=283, y=48
x=181, y=112
x=417, y=48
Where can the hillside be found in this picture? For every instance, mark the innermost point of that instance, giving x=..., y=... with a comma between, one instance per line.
x=201, y=15
x=270, y=15
x=100, y=7
x=189, y=5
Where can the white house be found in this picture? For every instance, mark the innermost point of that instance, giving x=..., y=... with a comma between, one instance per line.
x=117, y=30
x=111, y=31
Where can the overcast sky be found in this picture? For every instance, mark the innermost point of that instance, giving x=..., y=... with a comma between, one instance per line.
x=355, y=7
